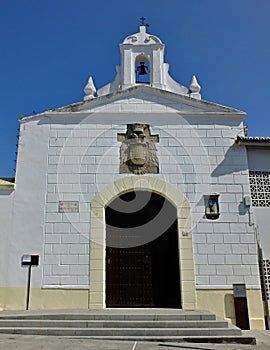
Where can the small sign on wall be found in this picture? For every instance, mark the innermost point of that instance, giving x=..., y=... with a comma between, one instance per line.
x=28, y=260
x=68, y=207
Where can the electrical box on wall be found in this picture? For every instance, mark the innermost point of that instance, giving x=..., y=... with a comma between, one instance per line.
x=247, y=201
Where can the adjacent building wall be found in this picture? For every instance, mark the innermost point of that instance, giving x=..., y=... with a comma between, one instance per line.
x=22, y=215
x=6, y=210
x=259, y=160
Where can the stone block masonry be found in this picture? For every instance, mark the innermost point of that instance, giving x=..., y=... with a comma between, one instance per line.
x=83, y=160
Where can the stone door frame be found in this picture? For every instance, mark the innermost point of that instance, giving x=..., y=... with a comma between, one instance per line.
x=97, y=289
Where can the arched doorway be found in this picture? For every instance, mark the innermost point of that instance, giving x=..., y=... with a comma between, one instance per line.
x=142, y=253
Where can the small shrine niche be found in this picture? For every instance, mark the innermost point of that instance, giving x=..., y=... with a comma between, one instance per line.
x=142, y=69
x=211, y=206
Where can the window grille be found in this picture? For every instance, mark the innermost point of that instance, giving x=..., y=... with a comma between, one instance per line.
x=260, y=188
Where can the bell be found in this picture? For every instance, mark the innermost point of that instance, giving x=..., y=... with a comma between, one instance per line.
x=142, y=69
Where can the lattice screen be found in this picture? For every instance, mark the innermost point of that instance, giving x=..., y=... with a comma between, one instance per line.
x=260, y=188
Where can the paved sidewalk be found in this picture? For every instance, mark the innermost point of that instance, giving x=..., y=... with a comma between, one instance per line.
x=23, y=342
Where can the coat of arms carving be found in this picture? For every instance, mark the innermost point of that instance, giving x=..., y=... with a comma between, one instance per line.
x=138, y=152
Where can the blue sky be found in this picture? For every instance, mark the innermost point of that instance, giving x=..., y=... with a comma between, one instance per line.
x=50, y=47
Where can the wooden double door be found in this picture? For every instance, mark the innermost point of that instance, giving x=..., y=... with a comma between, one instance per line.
x=142, y=261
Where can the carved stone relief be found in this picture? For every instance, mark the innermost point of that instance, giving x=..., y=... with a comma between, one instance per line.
x=138, y=153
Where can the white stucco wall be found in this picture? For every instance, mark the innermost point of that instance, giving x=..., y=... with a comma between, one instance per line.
x=259, y=160
x=71, y=156
x=6, y=209
x=26, y=213
x=262, y=217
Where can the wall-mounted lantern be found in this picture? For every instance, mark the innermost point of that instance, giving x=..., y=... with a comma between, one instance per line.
x=211, y=206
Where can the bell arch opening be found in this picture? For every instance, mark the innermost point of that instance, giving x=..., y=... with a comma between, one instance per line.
x=142, y=69
x=142, y=253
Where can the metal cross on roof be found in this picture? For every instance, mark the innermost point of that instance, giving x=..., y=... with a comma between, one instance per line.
x=142, y=19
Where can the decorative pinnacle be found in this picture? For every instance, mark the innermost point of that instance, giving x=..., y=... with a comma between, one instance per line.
x=194, y=88
x=89, y=89
x=194, y=85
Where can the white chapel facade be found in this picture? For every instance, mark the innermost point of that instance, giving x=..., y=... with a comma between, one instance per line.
x=137, y=196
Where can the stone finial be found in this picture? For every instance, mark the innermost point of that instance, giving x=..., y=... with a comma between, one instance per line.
x=195, y=88
x=89, y=90
x=142, y=29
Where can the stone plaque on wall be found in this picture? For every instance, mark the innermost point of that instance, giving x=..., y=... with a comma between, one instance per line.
x=138, y=152
x=68, y=207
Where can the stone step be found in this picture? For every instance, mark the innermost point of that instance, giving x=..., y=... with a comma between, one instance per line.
x=116, y=332
x=110, y=323
x=112, y=314
x=117, y=324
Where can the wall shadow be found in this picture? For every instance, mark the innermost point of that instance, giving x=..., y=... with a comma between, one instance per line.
x=235, y=160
